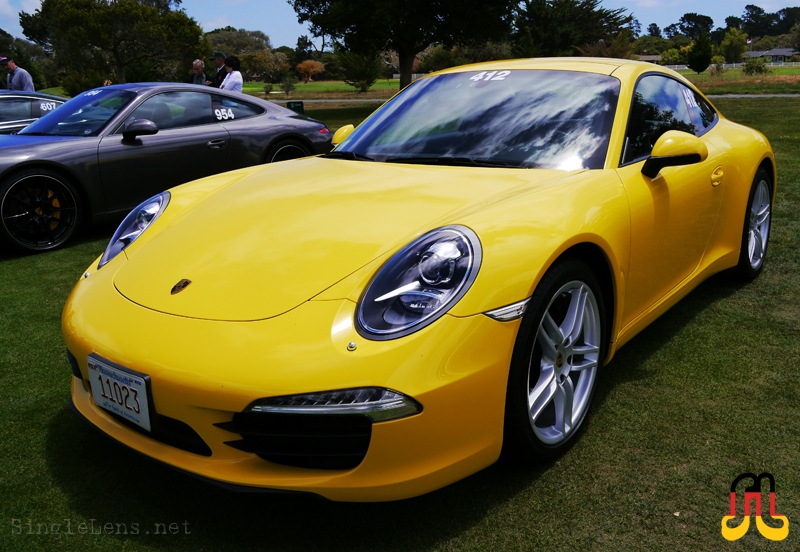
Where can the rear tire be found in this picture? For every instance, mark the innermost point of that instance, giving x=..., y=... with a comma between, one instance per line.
x=560, y=346
x=285, y=150
x=39, y=210
x=755, y=234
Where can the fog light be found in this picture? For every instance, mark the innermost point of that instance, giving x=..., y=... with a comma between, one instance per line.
x=377, y=403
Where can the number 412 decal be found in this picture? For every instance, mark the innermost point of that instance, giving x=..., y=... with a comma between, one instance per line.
x=490, y=76
x=223, y=114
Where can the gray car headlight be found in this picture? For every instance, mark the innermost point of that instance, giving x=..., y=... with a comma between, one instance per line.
x=419, y=284
x=134, y=224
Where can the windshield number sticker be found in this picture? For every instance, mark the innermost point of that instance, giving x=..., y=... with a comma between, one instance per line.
x=47, y=106
x=223, y=114
x=92, y=93
x=689, y=97
x=490, y=76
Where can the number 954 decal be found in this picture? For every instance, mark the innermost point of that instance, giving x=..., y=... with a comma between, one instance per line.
x=224, y=114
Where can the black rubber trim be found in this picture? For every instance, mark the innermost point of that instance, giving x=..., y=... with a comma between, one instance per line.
x=73, y=363
x=231, y=487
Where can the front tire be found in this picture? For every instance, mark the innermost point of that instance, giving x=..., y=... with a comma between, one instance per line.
x=755, y=235
x=560, y=346
x=39, y=210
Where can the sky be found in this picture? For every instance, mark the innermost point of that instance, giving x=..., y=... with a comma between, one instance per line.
x=277, y=19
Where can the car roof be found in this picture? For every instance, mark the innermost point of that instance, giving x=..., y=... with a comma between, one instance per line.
x=27, y=94
x=142, y=87
x=603, y=66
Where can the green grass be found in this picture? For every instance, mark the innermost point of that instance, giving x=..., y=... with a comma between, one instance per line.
x=780, y=80
x=707, y=392
x=382, y=89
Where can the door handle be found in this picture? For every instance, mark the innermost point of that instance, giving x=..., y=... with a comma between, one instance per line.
x=216, y=144
x=716, y=176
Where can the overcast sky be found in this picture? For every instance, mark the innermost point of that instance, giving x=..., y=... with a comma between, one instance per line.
x=277, y=19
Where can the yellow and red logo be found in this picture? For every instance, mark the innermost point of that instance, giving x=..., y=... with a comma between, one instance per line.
x=753, y=492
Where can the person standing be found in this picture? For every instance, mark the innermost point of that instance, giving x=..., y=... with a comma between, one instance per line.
x=198, y=75
x=219, y=62
x=233, y=81
x=17, y=78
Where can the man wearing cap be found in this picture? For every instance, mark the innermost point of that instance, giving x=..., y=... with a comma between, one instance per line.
x=219, y=62
x=18, y=78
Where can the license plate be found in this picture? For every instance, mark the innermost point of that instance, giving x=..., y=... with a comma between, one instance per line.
x=120, y=391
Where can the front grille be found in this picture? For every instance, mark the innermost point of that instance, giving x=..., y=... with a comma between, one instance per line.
x=317, y=441
x=169, y=431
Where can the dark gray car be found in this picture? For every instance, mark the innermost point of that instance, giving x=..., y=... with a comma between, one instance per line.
x=104, y=151
x=18, y=109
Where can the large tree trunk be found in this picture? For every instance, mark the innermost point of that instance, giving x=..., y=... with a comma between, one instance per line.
x=406, y=62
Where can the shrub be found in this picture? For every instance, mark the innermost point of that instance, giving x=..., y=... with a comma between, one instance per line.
x=756, y=66
x=267, y=88
x=287, y=84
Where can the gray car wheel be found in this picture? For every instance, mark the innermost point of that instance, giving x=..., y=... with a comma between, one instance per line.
x=560, y=346
x=285, y=150
x=755, y=235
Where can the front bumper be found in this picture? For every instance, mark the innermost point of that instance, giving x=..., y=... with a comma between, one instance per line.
x=203, y=372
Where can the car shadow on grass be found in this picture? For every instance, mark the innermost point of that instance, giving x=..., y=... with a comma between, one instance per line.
x=109, y=483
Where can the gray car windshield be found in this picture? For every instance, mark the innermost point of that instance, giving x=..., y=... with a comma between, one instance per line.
x=83, y=115
x=521, y=118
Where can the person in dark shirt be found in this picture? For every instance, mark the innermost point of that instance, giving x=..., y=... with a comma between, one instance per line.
x=198, y=75
x=18, y=78
x=219, y=62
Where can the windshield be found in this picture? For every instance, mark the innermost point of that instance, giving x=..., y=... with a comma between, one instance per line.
x=83, y=115
x=543, y=119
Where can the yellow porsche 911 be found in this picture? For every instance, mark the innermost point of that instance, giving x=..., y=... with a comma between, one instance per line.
x=381, y=321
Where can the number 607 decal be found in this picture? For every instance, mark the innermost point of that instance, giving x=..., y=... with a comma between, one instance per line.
x=223, y=114
x=490, y=76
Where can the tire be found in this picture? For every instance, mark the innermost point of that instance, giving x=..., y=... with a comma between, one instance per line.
x=39, y=210
x=551, y=383
x=285, y=150
x=755, y=234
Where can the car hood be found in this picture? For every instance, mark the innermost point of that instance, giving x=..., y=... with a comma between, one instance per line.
x=275, y=239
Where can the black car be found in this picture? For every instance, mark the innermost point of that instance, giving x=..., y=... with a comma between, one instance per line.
x=106, y=150
x=18, y=109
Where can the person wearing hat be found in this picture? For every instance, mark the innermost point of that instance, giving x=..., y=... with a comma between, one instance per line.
x=18, y=78
x=219, y=62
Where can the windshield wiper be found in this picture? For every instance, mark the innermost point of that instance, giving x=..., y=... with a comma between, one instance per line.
x=352, y=156
x=454, y=161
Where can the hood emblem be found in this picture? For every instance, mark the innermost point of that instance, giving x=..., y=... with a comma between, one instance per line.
x=180, y=286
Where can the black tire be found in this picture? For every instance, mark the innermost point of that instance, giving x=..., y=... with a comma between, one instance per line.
x=755, y=233
x=285, y=150
x=39, y=210
x=533, y=430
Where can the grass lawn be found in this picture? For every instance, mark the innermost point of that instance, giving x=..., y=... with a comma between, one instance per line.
x=780, y=80
x=707, y=392
x=382, y=89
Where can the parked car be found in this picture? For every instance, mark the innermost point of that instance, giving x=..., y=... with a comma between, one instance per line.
x=18, y=109
x=381, y=321
x=106, y=150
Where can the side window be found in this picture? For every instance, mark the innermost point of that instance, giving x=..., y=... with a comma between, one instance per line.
x=15, y=109
x=176, y=110
x=226, y=109
x=703, y=115
x=40, y=108
x=659, y=105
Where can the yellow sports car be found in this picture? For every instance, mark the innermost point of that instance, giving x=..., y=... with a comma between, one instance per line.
x=380, y=321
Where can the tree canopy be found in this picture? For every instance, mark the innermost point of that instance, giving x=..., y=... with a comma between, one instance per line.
x=98, y=40
x=235, y=42
x=405, y=26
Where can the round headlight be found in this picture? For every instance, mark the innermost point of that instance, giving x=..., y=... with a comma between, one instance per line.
x=134, y=224
x=419, y=283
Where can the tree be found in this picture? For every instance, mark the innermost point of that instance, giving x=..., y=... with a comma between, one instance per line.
x=264, y=64
x=235, y=42
x=650, y=45
x=654, y=30
x=756, y=21
x=360, y=71
x=405, y=26
x=796, y=37
x=620, y=47
x=693, y=24
x=97, y=40
x=561, y=27
x=673, y=56
x=309, y=68
x=733, y=22
x=698, y=57
x=734, y=45
x=671, y=30
x=635, y=28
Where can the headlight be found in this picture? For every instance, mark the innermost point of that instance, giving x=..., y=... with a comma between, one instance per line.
x=134, y=224
x=419, y=283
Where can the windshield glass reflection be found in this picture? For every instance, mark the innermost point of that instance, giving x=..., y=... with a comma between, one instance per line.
x=83, y=115
x=543, y=119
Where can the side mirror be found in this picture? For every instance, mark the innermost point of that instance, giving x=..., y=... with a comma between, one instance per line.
x=138, y=127
x=341, y=134
x=674, y=148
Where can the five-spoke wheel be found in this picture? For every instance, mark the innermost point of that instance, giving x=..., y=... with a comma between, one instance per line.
x=39, y=210
x=560, y=346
